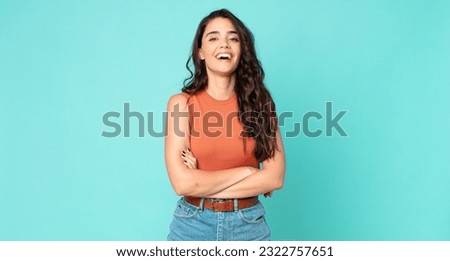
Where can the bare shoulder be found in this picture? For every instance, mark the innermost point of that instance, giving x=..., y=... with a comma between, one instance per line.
x=179, y=99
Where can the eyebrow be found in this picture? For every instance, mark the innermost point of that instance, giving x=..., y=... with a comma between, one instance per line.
x=216, y=32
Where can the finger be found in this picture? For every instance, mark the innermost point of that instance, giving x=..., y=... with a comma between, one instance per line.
x=189, y=165
x=268, y=194
x=191, y=161
x=188, y=151
x=189, y=157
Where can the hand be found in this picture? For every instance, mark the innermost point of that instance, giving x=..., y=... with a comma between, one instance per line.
x=268, y=194
x=188, y=159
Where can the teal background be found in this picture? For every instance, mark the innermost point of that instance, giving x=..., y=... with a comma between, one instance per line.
x=63, y=64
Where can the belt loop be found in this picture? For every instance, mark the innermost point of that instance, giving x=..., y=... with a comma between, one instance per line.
x=201, y=204
x=236, y=206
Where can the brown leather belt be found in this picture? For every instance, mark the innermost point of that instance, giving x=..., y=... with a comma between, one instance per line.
x=222, y=205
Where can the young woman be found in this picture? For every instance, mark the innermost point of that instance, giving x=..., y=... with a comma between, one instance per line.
x=220, y=129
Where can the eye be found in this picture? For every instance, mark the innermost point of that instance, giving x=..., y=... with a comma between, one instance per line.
x=212, y=39
x=234, y=39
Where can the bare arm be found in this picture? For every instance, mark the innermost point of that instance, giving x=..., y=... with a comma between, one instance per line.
x=267, y=179
x=184, y=180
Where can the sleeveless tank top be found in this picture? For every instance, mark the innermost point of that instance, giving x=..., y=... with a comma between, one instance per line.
x=215, y=135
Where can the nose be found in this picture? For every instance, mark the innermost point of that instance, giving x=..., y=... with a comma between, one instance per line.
x=224, y=44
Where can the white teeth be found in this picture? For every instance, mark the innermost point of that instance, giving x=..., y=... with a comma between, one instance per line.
x=223, y=56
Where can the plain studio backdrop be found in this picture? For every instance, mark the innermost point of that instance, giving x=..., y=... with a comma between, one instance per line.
x=65, y=64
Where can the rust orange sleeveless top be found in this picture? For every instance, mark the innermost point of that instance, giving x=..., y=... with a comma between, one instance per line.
x=215, y=133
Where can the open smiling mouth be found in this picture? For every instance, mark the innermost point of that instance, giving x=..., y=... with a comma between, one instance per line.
x=223, y=56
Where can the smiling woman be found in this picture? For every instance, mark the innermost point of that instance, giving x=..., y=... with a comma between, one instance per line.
x=221, y=49
x=218, y=172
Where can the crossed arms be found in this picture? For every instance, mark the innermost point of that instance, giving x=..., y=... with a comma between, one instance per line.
x=238, y=182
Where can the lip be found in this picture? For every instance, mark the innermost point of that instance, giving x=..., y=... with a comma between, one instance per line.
x=226, y=54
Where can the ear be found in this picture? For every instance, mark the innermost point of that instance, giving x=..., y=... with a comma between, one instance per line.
x=200, y=54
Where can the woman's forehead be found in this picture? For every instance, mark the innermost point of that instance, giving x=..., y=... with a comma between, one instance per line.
x=220, y=25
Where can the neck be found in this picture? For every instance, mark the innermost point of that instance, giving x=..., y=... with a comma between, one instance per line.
x=221, y=88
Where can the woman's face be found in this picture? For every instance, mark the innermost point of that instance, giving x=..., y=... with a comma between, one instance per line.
x=221, y=49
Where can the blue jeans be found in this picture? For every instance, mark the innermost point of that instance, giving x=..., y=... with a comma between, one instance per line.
x=192, y=223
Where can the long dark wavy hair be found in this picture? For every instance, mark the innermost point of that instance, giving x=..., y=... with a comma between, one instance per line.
x=256, y=107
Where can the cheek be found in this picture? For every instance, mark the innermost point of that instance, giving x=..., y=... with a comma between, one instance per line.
x=238, y=51
x=207, y=51
x=238, y=57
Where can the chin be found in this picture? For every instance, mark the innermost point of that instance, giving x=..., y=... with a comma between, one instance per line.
x=226, y=73
x=230, y=70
